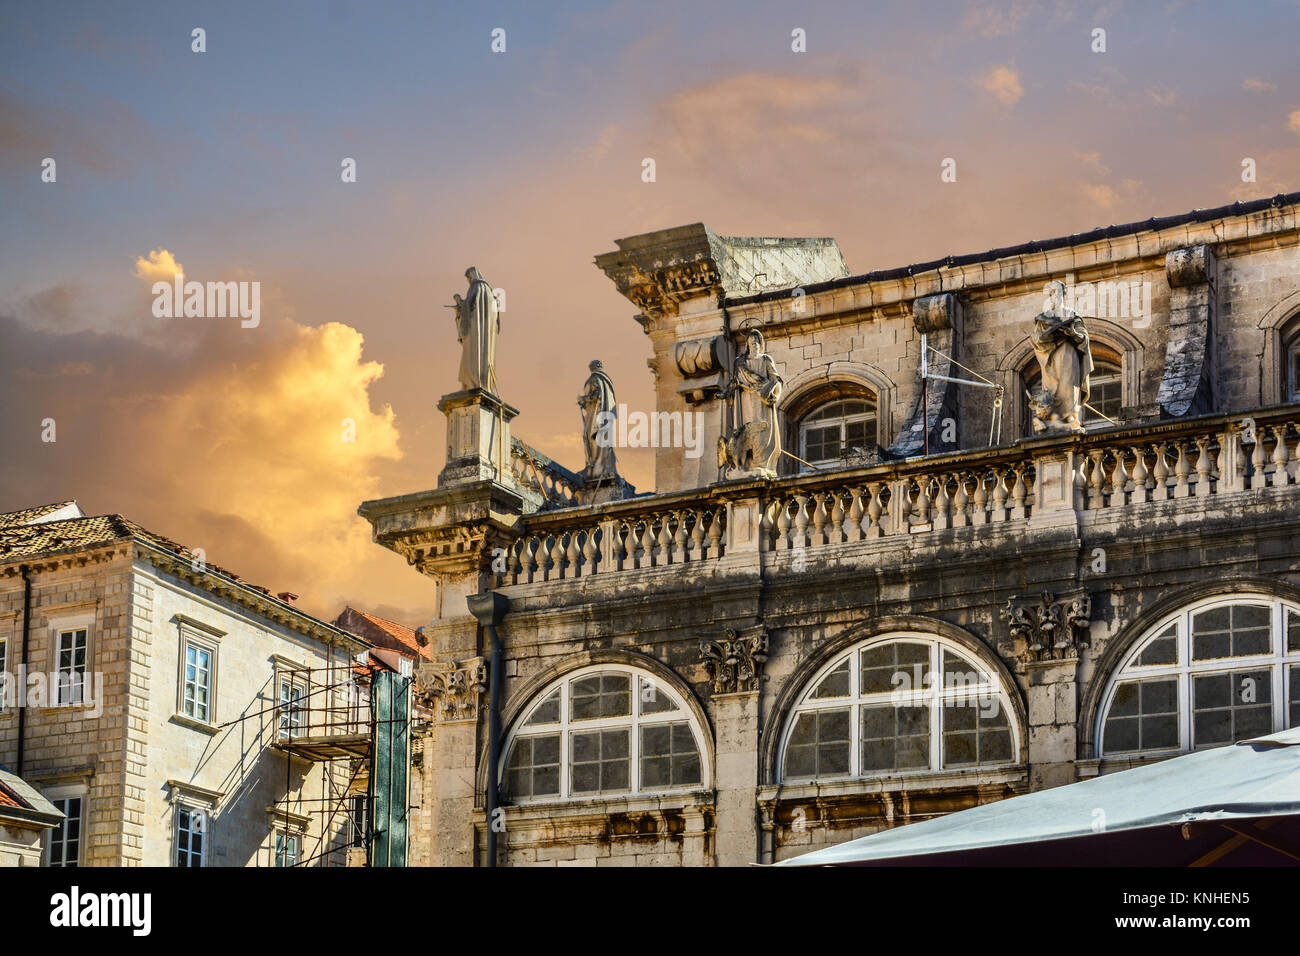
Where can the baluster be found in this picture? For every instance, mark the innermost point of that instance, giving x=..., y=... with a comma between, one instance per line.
x=527, y=558
x=961, y=503
x=715, y=531
x=573, y=555
x=555, y=570
x=1141, y=477
x=1161, y=473
x=875, y=508
x=1096, y=480
x=697, y=534
x=923, y=500
x=819, y=520
x=1257, y=477
x=800, y=521
x=1281, y=473
x=679, y=536
x=943, y=504
x=783, y=525
x=1000, y=492
x=1182, y=468
x=900, y=504
x=1120, y=482
x=853, y=522
x=1019, y=491
x=981, y=513
x=1204, y=466
x=590, y=552
x=837, y=517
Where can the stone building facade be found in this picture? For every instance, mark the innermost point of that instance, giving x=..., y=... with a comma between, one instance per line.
x=924, y=609
x=159, y=699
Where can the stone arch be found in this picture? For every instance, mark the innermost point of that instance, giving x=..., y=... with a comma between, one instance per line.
x=523, y=695
x=1117, y=648
x=1279, y=324
x=797, y=682
x=805, y=386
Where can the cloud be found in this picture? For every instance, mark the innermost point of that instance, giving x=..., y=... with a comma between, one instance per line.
x=160, y=265
x=1293, y=121
x=1161, y=95
x=1257, y=85
x=993, y=21
x=238, y=446
x=1003, y=82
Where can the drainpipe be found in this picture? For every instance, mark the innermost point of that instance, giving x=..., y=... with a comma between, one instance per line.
x=22, y=669
x=489, y=608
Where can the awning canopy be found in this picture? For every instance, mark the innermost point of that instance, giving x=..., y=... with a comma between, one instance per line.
x=1241, y=801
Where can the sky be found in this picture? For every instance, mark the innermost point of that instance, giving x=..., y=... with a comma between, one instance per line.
x=227, y=165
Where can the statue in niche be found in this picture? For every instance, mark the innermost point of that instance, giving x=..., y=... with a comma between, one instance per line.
x=751, y=441
x=1064, y=354
x=599, y=409
x=477, y=325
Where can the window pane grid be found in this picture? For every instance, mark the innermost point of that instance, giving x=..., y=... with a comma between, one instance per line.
x=1214, y=702
x=592, y=735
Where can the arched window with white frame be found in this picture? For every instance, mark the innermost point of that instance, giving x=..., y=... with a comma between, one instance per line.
x=608, y=729
x=899, y=703
x=1219, y=670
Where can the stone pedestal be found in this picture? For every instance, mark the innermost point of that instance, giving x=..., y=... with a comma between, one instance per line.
x=478, y=437
x=1058, y=488
x=595, y=491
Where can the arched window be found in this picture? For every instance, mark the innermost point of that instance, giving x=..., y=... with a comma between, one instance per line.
x=1292, y=370
x=1105, y=389
x=897, y=704
x=607, y=729
x=1218, y=671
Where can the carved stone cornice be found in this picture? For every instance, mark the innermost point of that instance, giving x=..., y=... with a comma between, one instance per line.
x=735, y=661
x=1048, y=627
x=453, y=686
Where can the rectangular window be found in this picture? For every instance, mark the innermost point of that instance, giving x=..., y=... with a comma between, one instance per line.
x=359, y=819
x=288, y=848
x=191, y=835
x=1230, y=707
x=600, y=761
x=71, y=663
x=65, y=838
x=4, y=675
x=196, y=690
x=1143, y=716
x=292, y=708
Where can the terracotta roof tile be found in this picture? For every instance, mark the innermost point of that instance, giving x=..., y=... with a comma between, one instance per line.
x=382, y=632
x=26, y=515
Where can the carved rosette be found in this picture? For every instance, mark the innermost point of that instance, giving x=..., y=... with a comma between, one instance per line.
x=734, y=662
x=1050, y=627
x=454, y=687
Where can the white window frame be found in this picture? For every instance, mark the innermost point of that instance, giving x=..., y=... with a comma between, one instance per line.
x=59, y=796
x=4, y=675
x=200, y=644
x=59, y=631
x=296, y=707
x=182, y=806
x=934, y=697
x=633, y=723
x=1278, y=661
x=290, y=836
x=806, y=423
x=1293, y=370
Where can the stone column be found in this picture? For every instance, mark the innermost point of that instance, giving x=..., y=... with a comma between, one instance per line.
x=735, y=663
x=478, y=437
x=1053, y=715
x=451, y=756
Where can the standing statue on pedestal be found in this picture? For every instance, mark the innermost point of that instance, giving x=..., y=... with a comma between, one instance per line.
x=477, y=325
x=751, y=439
x=599, y=410
x=1060, y=341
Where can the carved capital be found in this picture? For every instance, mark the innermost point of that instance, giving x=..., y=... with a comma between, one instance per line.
x=1048, y=627
x=735, y=661
x=454, y=687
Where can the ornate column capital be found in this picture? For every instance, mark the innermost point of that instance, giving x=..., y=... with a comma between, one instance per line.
x=454, y=687
x=1048, y=627
x=735, y=661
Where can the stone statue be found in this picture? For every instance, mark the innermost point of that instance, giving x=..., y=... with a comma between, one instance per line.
x=598, y=412
x=1060, y=341
x=752, y=443
x=477, y=325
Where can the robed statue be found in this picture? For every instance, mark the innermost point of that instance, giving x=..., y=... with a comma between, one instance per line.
x=1064, y=354
x=751, y=440
x=477, y=325
x=599, y=410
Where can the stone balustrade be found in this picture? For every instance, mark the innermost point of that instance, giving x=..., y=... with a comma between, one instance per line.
x=1069, y=476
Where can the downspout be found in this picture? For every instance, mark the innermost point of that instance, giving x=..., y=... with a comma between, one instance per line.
x=22, y=666
x=489, y=608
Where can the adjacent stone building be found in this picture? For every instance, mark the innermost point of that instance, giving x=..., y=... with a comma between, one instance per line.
x=174, y=714
x=924, y=603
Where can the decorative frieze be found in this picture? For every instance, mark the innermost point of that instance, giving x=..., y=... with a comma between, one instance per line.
x=454, y=687
x=1050, y=627
x=735, y=661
